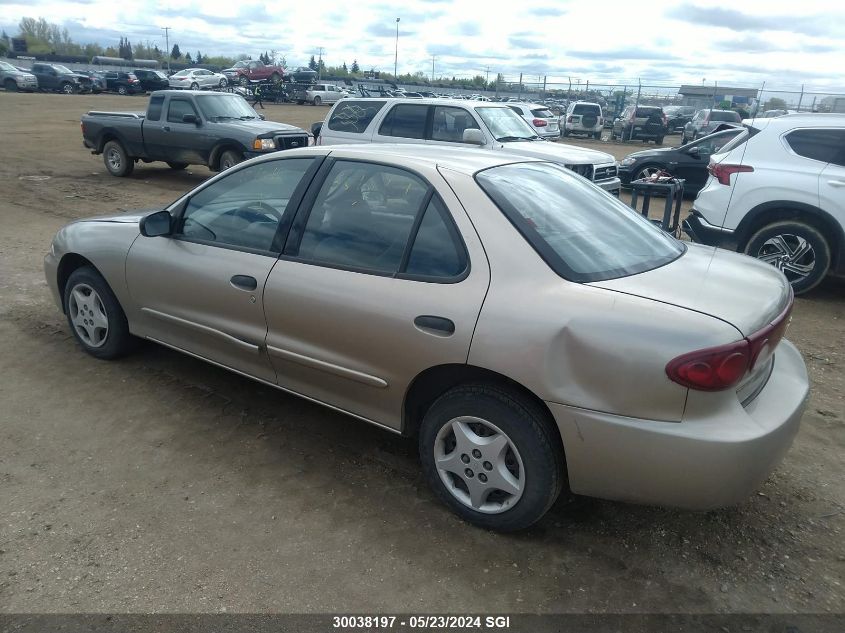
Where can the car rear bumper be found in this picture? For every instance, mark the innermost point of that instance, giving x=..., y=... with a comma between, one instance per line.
x=701, y=231
x=704, y=462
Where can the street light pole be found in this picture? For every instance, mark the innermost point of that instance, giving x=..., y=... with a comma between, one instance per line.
x=396, y=52
x=166, y=30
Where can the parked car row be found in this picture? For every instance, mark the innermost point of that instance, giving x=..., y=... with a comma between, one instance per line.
x=58, y=78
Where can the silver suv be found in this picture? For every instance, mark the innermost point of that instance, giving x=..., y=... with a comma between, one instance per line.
x=706, y=121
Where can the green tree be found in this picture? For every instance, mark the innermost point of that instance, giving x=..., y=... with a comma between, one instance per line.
x=355, y=67
x=775, y=103
x=188, y=58
x=312, y=63
x=175, y=53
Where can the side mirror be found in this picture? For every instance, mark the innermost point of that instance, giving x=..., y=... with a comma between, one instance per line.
x=316, y=127
x=262, y=117
x=156, y=224
x=190, y=118
x=473, y=136
x=695, y=152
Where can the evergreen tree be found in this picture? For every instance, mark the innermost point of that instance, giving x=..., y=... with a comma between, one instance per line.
x=312, y=64
x=199, y=58
x=355, y=67
x=188, y=58
x=175, y=53
x=345, y=69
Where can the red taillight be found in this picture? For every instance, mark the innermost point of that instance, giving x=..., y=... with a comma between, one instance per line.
x=571, y=119
x=665, y=120
x=717, y=368
x=722, y=172
x=540, y=123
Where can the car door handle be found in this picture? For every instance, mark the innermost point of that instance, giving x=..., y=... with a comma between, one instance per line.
x=836, y=183
x=166, y=128
x=244, y=282
x=440, y=325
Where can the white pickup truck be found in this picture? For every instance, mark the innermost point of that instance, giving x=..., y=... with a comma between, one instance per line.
x=491, y=126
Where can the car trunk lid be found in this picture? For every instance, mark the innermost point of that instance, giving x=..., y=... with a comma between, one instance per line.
x=737, y=289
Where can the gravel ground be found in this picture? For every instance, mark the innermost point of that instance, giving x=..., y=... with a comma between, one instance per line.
x=162, y=484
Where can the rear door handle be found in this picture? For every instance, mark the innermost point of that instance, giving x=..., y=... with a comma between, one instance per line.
x=244, y=282
x=439, y=325
x=166, y=128
x=836, y=183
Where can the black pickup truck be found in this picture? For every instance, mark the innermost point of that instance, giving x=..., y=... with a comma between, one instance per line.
x=186, y=127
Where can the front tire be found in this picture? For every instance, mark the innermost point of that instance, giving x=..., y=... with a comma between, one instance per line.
x=223, y=83
x=117, y=162
x=121, y=90
x=597, y=136
x=244, y=81
x=10, y=85
x=68, y=88
x=195, y=86
x=492, y=456
x=797, y=249
x=229, y=158
x=94, y=314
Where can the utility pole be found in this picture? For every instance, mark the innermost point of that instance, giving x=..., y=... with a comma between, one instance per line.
x=433, y=57
x=801, y=98
x=319, y=63
x=487, y=77
x=396, y=51
x=166, y=30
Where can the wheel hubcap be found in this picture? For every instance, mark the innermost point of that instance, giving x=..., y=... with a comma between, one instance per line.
x=479, y=465
x=648, y=172
x=114, y=159
x=789, y=253
x=88, y=315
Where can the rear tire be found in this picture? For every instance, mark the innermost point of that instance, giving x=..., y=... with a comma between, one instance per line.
x=121, y=90
x=275, y=78
x=195, y=86
x=244, y=81
x=67, y=88
x=228, y=159
x=597, y=136
x=117, y=162
x=177, y=166
x=317, y=101
x=658, y=140
x=524, y=455
x=798, y=249
x=94, y=315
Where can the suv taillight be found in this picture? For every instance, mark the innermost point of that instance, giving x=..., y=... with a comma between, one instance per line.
x=571, y=119
x=722, y=172
x=722, y=367
x=540, y=123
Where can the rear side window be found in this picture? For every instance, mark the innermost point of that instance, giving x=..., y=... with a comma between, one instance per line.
x=543, y=113
x=354, y=116
x=581, y=232
x=154, y=109
x=405, y=121
x=437, y=250
x=822, y=145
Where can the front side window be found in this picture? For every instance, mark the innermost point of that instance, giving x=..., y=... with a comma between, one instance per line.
x=449, y=124
x=362, y=217
x=220, y=107
x=354, y=116
x=505, y=125
x=178, y=108
x=818, y=144
x=582, y=233
x=405, y=121
x=244, y=209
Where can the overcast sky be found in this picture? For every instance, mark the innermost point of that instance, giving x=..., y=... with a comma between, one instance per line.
x=785, y=43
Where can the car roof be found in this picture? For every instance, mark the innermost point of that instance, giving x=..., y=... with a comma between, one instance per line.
x=428, y=101
x=462, y=160
x=806, y=119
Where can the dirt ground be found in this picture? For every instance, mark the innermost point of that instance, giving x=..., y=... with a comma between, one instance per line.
x=160, y=483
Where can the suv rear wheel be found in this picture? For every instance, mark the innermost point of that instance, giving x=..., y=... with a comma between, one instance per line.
x=492, y=456
x=796, y=248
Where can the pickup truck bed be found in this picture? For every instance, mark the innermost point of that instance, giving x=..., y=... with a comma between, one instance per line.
x=183, y=127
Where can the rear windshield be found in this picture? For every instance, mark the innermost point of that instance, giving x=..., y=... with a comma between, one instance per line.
x=354, y=116
x=543, y=113
x=724, y=115
x=586, y=108
x=583, y=233
x=648, y=111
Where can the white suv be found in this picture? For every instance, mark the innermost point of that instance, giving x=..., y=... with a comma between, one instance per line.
x=583, y=117
x=777, y=192
x=539, y=117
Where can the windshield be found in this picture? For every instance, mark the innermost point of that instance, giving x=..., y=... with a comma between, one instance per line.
x=159, y=74
x=7, y=66
x=182, y=73
x=583, y=233
x=62, y=69
x=722, y=115
x=222, y=106
x=506, y=125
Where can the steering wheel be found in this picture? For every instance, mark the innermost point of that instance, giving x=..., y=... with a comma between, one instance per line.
x=258, y=208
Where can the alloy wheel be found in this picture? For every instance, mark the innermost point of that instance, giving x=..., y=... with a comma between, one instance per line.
x=115, y=159
x=791, y=254
x=88, y=315
x=479, y=464
x=647, y=172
